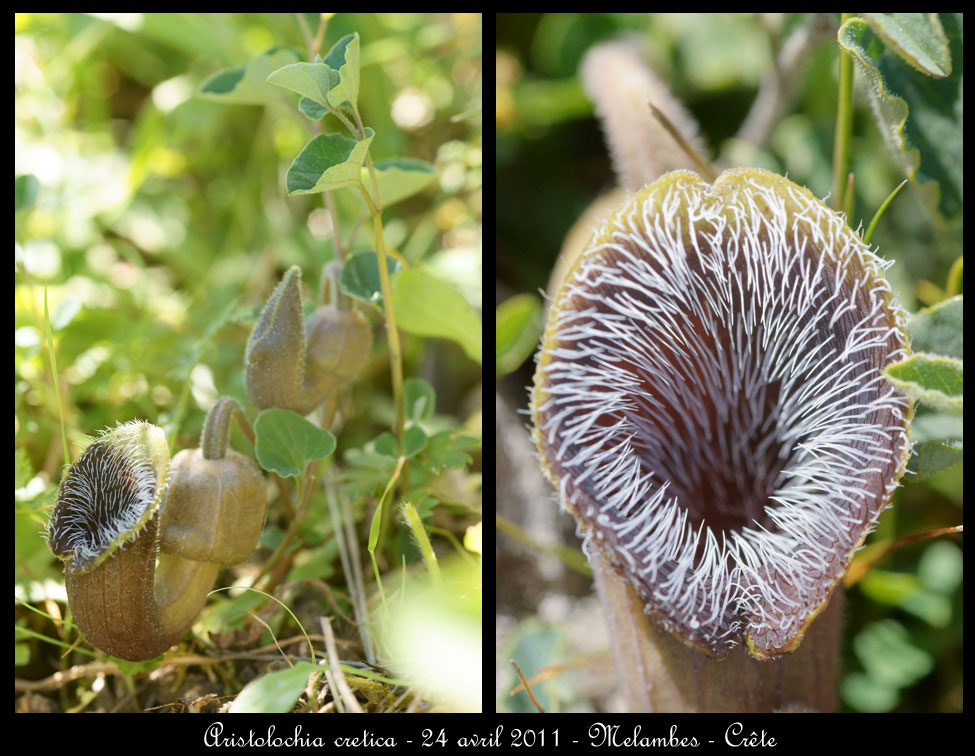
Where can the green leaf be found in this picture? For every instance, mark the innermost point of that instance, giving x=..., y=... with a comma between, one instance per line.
x=385, y=444
x=372, y=459
x=420, y=398
x=360, y=276
x=400, y=178
x=247, y=84
x=890, y=655
x=935, y=456
x=25, y=191
x=344, y=58
x=938, y=441
x=414, y=440
x=886, y=587
x=429, y=307
x=917, y=38
x=519, y=325
x=286, y=442
x=329, y=161
x=936, y=381
x=932, y=607
x=275, y=691
x=940, y=329
x=862, y=693
x=311, y=109
x=919, y=117
x=446, y=450
x=941, y=567
x=311, y=80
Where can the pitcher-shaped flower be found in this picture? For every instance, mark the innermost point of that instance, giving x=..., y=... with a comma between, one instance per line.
x=710, y=406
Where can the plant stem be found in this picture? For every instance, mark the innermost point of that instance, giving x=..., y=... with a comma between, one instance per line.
x=392, y=334
x=844, y=124
x=392, y=337
x=216, y=427
x=658, y=673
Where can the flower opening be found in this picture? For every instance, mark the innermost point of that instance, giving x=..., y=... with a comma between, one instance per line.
x=709, y=403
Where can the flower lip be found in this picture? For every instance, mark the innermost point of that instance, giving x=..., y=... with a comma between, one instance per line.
x=709, y=404
x=109, y=495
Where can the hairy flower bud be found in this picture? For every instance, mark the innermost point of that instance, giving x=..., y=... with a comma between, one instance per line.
x=297, y=367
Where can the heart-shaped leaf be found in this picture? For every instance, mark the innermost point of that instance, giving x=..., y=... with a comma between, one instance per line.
x=329, y=161
x=286, y=442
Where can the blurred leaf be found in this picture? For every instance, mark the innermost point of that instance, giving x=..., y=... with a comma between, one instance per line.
x=446, y=449
x=535, y=645
x=519, y=324
x=889, y=654
x=419, y=398
x=360, y=276
x=247, y=84
x=427, y=306
x=940, y=329
x=887, y=587
x=941, y=567
x=25, y=191
x=400, y=178
x=414, y=440
x=862, y=693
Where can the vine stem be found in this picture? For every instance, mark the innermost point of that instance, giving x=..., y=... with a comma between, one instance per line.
x=392, y=333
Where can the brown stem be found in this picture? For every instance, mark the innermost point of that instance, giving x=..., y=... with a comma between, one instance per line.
x=658, y=673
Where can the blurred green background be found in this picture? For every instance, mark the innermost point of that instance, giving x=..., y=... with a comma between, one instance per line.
x=162, y=218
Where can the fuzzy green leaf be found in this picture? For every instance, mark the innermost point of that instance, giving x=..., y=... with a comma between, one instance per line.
x=328, y=162
x=920, y=117
x=311, y=80
x=931, y=379
x=917, y=38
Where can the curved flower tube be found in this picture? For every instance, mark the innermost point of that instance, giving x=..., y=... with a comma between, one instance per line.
x=710, y=406
x=142, y=537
